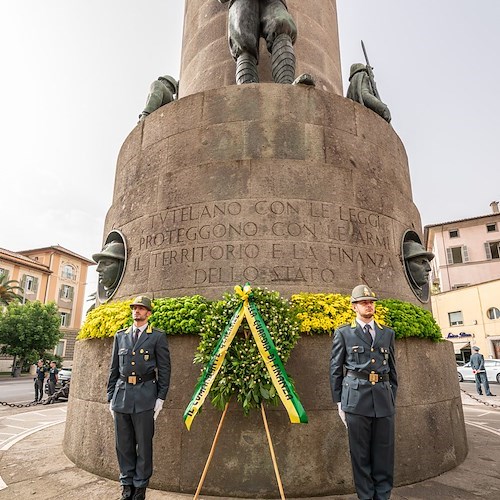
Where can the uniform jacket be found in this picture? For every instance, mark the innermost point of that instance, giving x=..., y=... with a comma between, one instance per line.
x=477, y=362
x=352, y=351
x=150, y=354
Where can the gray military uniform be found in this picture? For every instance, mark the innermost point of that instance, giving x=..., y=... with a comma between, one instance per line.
x=369, y=405
x=139, y=374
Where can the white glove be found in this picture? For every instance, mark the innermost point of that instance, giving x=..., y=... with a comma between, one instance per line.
x=342, y=414
x=111, y=409
x=158, y=407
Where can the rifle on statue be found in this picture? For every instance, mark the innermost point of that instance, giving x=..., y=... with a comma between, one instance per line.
x=369, y=70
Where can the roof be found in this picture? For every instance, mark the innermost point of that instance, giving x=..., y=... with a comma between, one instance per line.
x=463, y=220
x=60, y=249
x=429, y=227
x=19, y=258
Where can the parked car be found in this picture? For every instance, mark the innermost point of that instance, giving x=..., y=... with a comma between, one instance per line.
x=492, y=367
x=64, y=375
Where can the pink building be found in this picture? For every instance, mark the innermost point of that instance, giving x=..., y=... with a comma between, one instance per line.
x=467, y=251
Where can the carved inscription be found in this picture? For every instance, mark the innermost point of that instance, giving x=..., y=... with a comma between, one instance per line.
x=262, y=241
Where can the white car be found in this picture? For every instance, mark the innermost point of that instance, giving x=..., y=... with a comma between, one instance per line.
x=64, y=375
x=492, y=367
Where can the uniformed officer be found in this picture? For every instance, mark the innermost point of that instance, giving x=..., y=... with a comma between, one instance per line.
x=363, y=380
x=138, y=383
x=39, y=378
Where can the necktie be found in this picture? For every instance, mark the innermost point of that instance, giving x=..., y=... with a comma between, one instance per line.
x=368, y=333
x=136, y=335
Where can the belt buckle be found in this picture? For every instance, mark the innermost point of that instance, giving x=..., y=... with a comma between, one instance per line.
x=373, y=378
x=132, y=379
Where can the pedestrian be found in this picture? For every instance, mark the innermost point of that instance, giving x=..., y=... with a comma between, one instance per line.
x=138, y=383
x=477, y=364
x=39, y=378
x=363, y=381
x=53, y=378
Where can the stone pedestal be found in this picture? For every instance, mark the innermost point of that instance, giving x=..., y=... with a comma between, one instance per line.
x=313, y=458
x=288, y=187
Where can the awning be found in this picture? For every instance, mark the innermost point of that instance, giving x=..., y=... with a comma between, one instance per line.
x=460, y=346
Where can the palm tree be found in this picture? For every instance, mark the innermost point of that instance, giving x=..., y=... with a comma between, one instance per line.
x=9, y=290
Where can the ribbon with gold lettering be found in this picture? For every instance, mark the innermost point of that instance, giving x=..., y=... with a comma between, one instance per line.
x=267, y=350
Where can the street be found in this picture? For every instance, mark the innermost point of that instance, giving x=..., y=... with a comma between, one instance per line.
x=17, y=390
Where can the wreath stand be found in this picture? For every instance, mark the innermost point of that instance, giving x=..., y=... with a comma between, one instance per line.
x=212, y=450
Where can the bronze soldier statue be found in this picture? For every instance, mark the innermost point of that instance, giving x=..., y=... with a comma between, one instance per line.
x=249, y=20
x=361, y=90
x=161, y=92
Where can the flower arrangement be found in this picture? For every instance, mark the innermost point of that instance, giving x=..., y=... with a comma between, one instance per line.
x=243, y=373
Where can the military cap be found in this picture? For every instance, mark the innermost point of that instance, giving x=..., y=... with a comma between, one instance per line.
x=356, y=68
x=142, y=301
x=362, y=292
x=172, y=81
x=413, y=249
x=113, y=250
x=475, y=348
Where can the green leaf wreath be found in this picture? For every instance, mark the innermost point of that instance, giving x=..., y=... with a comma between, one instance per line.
x=243, y=373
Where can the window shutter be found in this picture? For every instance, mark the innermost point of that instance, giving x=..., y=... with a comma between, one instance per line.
x=465, y=253
x=68, y=320
x=487, y=249
x=35, y=285
x=61, y=292
x=71, y=291
x=449, y=256
x=23, y=282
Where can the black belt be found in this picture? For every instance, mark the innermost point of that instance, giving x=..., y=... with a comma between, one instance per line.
x=372, y=377
x=136, y=379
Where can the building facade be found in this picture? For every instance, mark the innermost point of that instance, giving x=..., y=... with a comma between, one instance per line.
x=51, y=274
x=470, y=316
x=466, y=282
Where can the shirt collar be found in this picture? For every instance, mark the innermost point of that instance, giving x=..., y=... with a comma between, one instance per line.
x=362, y=324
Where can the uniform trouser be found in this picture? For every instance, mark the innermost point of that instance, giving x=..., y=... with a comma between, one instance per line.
x=481, y=378
x=52, y=387
x=249, y=20
x=371, y=443
x=38, y=389
x=134, y=447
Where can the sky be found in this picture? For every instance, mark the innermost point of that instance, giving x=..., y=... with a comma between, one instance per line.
x=76, y=73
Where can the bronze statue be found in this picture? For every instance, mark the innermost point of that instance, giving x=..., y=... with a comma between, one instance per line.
x=161, y=92
x=110, y=265
x=417, y=267
x=249, y=20
x=362, y=89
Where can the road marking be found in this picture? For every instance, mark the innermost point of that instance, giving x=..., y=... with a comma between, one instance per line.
x=22, y=435
x=2, y=484
x=14, y=426
x=484, y=428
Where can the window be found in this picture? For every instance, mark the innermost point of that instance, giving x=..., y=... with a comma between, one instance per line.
x=65, y=319
x=454, y=233
x=492, y=249
x=490, y=228
x=69, y=272
x=4, y=272
x=60, y=349
x=456, y=318
x=493, y=313
x=66, y=292
x=29, y=283
x=457, y=255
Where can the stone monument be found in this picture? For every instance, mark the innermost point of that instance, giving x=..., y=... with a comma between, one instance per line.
x=291, y=187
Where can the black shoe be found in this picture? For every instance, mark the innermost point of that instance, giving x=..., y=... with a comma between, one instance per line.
x=480, y=393
x=490, y=394
x=127, y=492
x=140, y=494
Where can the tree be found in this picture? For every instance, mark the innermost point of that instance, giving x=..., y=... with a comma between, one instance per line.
x=28, y=330
x=9, y=290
